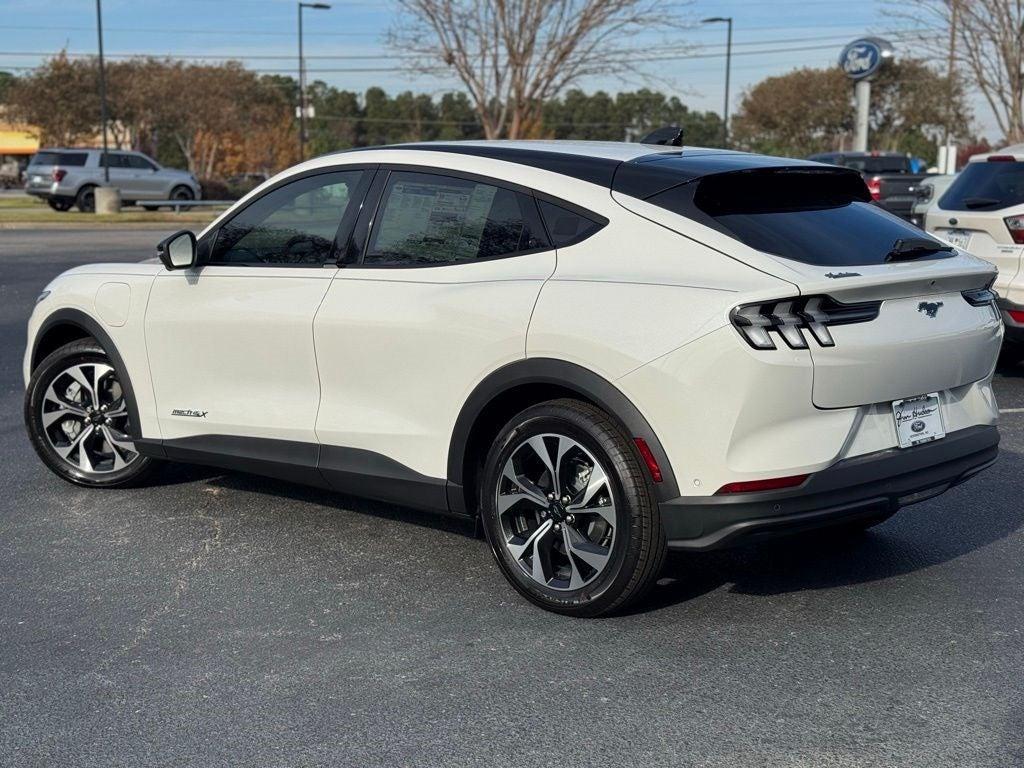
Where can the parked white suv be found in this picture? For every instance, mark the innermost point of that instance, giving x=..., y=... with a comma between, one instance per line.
x=601, y=350
x=983, y=212
x=68, y=177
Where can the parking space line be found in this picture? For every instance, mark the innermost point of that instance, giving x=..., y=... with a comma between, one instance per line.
x=1011, y=410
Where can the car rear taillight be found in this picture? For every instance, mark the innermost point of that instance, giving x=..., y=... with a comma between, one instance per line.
x=1016, y=315
x=789, y=318
x=875, y=187
x=771, y=484
x=1016, y=226
x=58, y=174
x=979, y=297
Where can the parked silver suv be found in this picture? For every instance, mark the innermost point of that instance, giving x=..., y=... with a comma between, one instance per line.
x=67, y=177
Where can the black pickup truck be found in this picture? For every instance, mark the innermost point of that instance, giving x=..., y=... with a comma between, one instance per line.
x=889, y=176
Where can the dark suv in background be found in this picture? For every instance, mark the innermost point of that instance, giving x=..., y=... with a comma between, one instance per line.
x=890, y=177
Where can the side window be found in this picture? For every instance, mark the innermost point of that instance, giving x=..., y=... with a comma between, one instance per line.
x=427, y=219
x=114, y=160
x=292, y=225
x=567, y=227
x=139, y=163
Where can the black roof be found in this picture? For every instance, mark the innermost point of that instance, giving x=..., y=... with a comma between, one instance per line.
x=643, y=176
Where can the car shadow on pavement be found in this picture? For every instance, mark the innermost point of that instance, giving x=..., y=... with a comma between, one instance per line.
x=967, y=518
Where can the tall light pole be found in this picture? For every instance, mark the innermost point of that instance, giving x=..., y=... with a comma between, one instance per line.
x=103, y=93
x=302, y=79
x=728, y=67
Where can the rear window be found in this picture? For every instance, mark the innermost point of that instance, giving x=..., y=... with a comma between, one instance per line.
x=813, y=216
x=877, y=164
x=60, y=158
x=985, y=186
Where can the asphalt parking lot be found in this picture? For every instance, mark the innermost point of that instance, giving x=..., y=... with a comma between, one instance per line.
x=221, y=619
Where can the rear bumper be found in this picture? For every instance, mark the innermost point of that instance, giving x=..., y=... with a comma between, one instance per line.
x=859, y=487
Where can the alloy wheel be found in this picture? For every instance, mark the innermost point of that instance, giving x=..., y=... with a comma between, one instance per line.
x=556, y=511
x=84, y=416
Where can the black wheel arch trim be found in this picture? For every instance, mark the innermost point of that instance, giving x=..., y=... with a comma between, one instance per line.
x=89, y=325
x=569, y=376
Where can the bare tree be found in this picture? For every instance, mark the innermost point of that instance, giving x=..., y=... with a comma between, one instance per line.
x=986, y=40
x=513, y=55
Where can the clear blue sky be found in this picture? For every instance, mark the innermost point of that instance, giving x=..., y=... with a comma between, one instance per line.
x=770, y=37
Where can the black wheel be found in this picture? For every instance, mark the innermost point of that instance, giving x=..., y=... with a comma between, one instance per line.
x=569, y=511
x=78, y=419
x=85, y=201
x=182, y=193
x=1011, y=353
x=59, y=204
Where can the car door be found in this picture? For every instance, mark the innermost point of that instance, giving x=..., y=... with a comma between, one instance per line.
x=122, y=175
x=147, y=182
x=231, y=340
x=437, y=294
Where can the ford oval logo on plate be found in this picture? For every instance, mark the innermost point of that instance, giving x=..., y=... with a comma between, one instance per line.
x=862, y=58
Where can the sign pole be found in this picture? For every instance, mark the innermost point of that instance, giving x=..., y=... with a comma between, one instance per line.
x=862, y=93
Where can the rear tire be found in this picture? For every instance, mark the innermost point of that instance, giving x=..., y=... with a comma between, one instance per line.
x=577, y=531
x=78, y=419
x=59, y=204
x=85, y=200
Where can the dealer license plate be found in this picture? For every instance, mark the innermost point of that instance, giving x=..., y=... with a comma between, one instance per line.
x=918, y=420
x=958, y=237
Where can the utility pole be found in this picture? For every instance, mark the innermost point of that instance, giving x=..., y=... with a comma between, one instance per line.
x=947, y=166
x=103, y=93
x=302, y=79
x=727, y=20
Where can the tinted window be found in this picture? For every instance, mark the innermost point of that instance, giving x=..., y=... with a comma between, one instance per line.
x=985, y=186
x=114, y=160
x=138, y=162
x=867, y=164
x=427, y=219
x=817, y=217
x=567, y=227
x=60, y=158
x=294, y=224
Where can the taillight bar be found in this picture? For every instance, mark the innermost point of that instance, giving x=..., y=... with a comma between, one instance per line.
x=979, y=297
x=789, y=318
x=58, y=174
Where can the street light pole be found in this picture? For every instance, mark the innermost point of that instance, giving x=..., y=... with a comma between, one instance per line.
x=302, y=80
x=727, y=20
x=103, y=93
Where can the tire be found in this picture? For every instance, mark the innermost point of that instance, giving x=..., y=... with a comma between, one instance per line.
x=64, y=383
x=1011, y=354
x=182, y=192
x=85, y=200
x=600, y=546
x=59, y=204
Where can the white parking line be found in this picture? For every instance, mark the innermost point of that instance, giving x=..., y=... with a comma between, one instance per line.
x=1011, y=410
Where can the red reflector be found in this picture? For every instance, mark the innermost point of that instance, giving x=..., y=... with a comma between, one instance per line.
x=1002, y=159
x=875, y=187
x=649, y=460
x=58, y=174
x=1017, y=315
x=771, y=484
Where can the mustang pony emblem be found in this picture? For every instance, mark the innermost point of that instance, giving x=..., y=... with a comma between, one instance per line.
x=930, y=308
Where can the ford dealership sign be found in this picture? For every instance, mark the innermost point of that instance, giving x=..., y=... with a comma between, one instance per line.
x=862, y=58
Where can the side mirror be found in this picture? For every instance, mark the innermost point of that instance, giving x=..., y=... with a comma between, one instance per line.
x=178, y=251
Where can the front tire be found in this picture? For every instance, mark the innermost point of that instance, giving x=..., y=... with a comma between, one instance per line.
x=78, y=419
x=569, y=511
x=183, y=193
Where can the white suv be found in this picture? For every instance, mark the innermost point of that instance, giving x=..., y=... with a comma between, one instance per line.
x=983, y=212
x=600, y=350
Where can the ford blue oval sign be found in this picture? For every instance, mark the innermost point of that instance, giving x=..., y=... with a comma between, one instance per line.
x=862, y=58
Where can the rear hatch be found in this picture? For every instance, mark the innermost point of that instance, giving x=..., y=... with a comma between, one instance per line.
x=977, y=211
x=915, y=332
x=49, y=166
